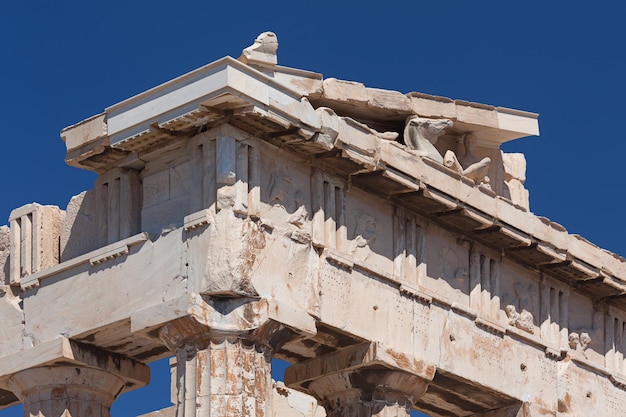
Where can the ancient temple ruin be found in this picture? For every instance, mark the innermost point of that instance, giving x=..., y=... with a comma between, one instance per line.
x=379, y=242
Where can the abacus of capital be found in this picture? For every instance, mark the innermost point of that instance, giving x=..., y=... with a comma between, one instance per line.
x=379, y=242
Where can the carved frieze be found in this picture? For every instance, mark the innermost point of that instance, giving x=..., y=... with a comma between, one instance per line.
x=366, y=234
x=520, y=305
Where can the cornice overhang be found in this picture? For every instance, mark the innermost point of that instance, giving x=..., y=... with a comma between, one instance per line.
x=283, y=105
x=224, y=85
x=213, y=94
x=230, y=92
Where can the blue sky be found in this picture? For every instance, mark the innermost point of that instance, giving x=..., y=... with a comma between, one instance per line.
x=65, y=60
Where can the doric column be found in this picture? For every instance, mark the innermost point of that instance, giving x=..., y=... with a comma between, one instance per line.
x=66, y=378
x=224, y=363
x=53, y=391
x=362, y=381
x=218, y=374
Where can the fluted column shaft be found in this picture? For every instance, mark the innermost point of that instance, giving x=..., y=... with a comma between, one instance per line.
x=220, y=374
x=226, y=377
x=66, y=390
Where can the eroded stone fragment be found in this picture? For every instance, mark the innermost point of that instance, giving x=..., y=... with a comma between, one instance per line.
x=421, y=134
x=35, y=234
x=514, y=178
x=5, y=249
x=262, y=52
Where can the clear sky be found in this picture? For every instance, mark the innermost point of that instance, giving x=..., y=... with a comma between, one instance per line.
x=66, y=60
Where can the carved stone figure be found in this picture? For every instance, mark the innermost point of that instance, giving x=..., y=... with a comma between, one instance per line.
x=469, y=165
x=366, y=231
x=421, y=134
x=299, y=217
x=281, y=192
x=523, y=320
x=578, y=341
x=585, y=340
x=520, y=306
x=514, y=178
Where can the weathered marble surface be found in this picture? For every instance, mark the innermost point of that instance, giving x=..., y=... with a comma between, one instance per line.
x=247, y=211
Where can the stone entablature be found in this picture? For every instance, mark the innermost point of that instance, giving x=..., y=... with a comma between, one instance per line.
x=250, y=211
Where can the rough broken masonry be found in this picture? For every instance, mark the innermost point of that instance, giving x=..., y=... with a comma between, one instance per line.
x=380, y=242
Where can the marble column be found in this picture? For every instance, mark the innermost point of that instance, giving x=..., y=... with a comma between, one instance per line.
x=219, y=374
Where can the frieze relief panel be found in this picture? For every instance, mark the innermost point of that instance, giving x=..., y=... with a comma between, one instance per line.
x=286, y=194
x=585, y=337
x=369, y=231
x=447, y=266
x=166, y=184
x=519, y=305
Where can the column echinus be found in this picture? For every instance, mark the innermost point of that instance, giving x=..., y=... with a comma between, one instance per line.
x=362, y=381
x=67, y=378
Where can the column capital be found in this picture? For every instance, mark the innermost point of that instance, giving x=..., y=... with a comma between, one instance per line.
x=66, y=352
x=63, y=377
x=260, y=322
x=367, y=377
x=49, y=391
x=224, y=348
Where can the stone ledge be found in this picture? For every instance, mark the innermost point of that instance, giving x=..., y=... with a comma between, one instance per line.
x=198, y=219
x=355, y=357
x=94, y=257
x=65, y=351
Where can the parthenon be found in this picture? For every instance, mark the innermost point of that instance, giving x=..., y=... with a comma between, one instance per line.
x=379, y=242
